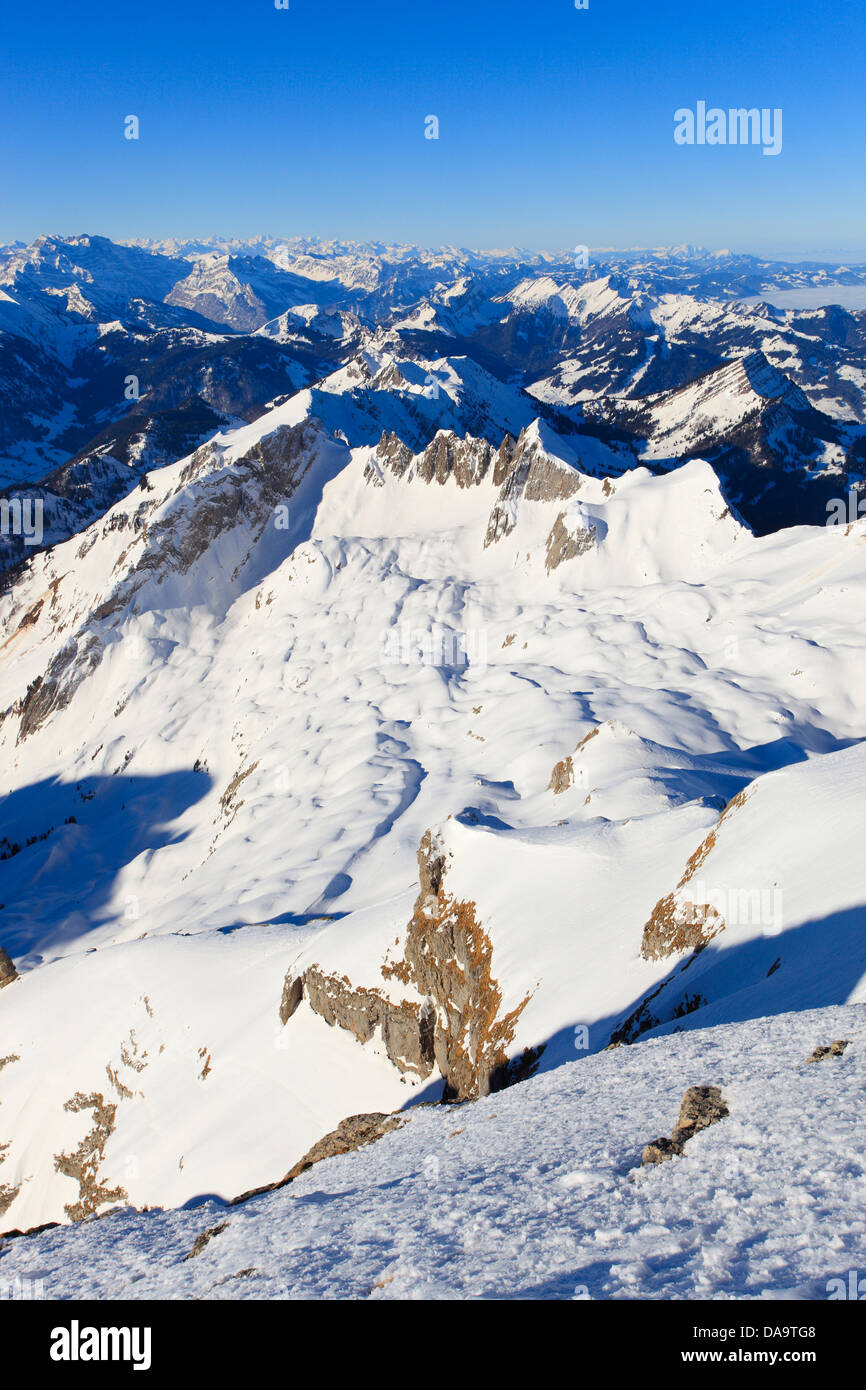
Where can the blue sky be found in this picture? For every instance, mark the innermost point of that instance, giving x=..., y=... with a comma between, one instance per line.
x=556, y=124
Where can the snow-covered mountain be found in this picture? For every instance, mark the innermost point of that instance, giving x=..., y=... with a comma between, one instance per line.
x=119, y=358
x=322, y=760
x=385, y=722
x=774, y=452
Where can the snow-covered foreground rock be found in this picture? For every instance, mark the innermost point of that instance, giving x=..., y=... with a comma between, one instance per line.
x=338, y=775
x=538, y=1192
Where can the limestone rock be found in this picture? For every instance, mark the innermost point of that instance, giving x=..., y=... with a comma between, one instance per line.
x=8, y=973
x=350, y=1134
x=834, y=1049
x=701, y=1106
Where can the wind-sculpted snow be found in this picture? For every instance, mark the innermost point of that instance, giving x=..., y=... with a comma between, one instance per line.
x=234, y=706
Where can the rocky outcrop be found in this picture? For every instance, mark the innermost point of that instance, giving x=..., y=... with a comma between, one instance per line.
x=448, y=958
x=833, y=1049
x=391, y=451
x=562, y=776
x=85, y=1163
x=468, y=461
x=701, y=1107
x=675, y=926
x=66, y=670
x=204, y=1238
x=8, y=1191
x=170, y=536
x=350, y=1134
x=677, y=923
x=531, y=475
x=406, y=1028
x=563, y=544
x=293, y=993
x=521, y=469
x=8, y=973
x=455, y=1021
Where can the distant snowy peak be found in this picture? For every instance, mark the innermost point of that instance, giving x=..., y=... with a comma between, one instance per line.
x=731, y=391
x=244, y=293
x=99, y=275
x=701, y=414
x=581, y=302
x=301, y=320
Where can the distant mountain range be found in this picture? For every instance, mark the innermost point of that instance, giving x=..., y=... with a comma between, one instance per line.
x=116, y=359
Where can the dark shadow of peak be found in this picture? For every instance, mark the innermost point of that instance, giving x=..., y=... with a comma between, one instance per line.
x=63, y=844
x=815, y=965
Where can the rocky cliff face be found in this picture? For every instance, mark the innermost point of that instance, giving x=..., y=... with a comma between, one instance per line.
x=456, y=1022
x=678, y=923
x=167, y=534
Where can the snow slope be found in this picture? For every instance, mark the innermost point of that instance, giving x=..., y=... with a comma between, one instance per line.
x=537, y=1192
x=235, y=706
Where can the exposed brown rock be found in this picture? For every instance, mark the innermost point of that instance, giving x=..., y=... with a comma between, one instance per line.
x=658, y=1151
x=122, y=1090
x=8, y=1193
x=8, y=973
x=84, y=1164
x=701, y=1106
x=267, y=475
x=640, y=1020
x=45, y=695
x=696, y=860
x=350, y=1134
x=202, y=1240
x=229, y=804
x=833, y=1049
x=561, y=777
x=293, y=993
x=394, y=453
x=364, y=1011
x=526, y=472
x=563, y=544
x=467, y=460
x=593, y=733
x=447, y=958
x=676, y=924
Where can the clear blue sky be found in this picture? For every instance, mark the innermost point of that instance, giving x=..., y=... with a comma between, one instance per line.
x=556, y=125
